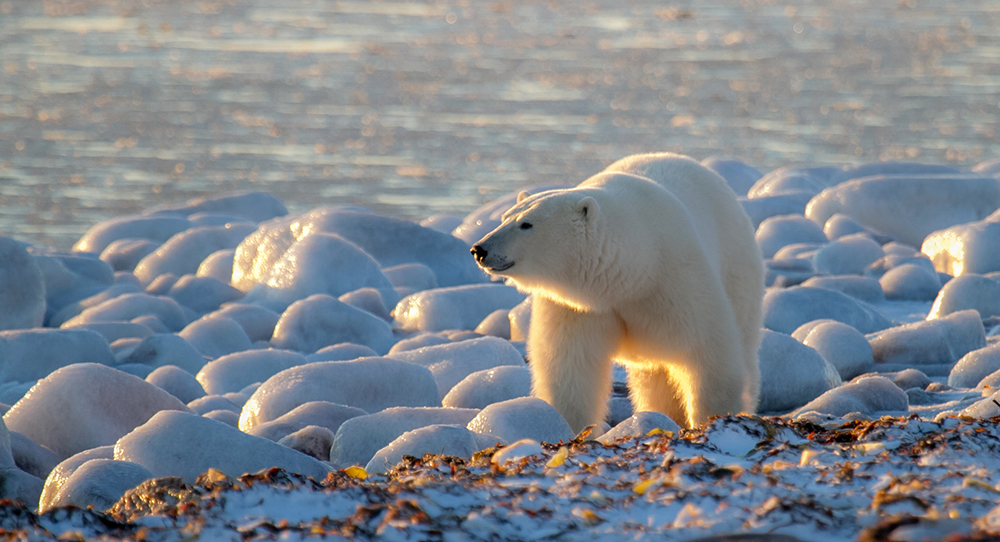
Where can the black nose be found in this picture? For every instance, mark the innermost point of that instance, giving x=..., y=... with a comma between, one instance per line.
x=479, y=252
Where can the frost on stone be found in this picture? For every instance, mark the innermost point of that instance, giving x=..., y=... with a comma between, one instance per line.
x=320, y=320
x=358, y=439
x=32, y=354
x=525, y=417
x=968, y=291
x=791, y=373
x=483, y=388
x=183, y=253
x=787, y=309
x=779, y=231
x=235, y=371
x=449, y=440
x=451, y=363
x=866, y=396
x=975, y=366
x=944, y=340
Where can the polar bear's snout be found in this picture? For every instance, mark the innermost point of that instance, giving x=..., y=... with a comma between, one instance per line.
x=489, y=259
x=479, y=253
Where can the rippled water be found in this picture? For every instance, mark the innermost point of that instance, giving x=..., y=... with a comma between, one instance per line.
x=108, y=107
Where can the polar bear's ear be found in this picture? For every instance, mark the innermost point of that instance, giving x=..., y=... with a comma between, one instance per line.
x=587, y=207
x=522, y=195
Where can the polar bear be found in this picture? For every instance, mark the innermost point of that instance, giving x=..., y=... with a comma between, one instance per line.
x=651, y=263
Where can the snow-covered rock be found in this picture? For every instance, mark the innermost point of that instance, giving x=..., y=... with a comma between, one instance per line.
x=849, y=173
x=461, y=307
x=64, y=470
x=31, y=457
x=989, y=382
x=848, y=255
x=738, y=175
x=126, y=307
x=372, y=301
x=202, y=294
x=451, y=363
x=974, y=367
x=99, y=483
x=320, y=263
x=216, y=336
x=371, y=384
x=22, y=288
x=420, y=340
x=359, y=438
x=840, y=344
x=125, y=254
x=760, y=209
x=151, y=228
x=791, y=373
x=984, y=408
x=909, y=207
x=866, y=396
x=968, y=291
x=524, y=417
x=218, y=265
x=793, y=180
x=785, y=310
x=516, y=451
x=910, y=282
x=17, y=485
x=32, y=354
x=411, y=275
x=235, y=371
x=451, y=440
x=75, y=308
x=312, y=440
x=483, y=388
x=258, y=322
x=177, y=382
x=778, y=231
x=638, y=425
x=211, y=403
x=972, y=247
x=909, y=378
x=167, y=349
x=112, y=331
x=496, y=324
x=253, y=206
x=71, y=277
x=314, y=413
x=183, y=253
x=944, y=340
x=341, y=352
x=864, y=288
x=186, y=445
x=321, y=320
x=84, y=406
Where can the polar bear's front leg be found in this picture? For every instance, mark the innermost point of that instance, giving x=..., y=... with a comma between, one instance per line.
x=570, y=357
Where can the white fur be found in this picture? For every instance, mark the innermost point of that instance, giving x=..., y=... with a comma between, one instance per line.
x=651, y=263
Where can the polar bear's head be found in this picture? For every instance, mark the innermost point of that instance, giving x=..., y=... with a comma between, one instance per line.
x=544, y=242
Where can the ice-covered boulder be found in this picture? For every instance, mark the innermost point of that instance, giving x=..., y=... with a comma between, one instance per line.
x=216, y=336
x=258, y=322
x=910, y=282
x=864, y=288
x=840, y=344
x=989, y=382
x=125, y=254
x=112, y=331
x=167, y=349
x=126, y=307
x=639, y=424
x=909, y=207
x=866, y=396
x=31, y=457
x=791, y=373
x=372, y=301
x=17, y=485
x=516, y=451
x=211, y=403
x=253, y=206
x=61, y=473
x=738, y=175
x=496, y=324
x=965, y=292
x=152, y=228
x=785, y=310
x=218, y=265
x=315, y=413
x=451, y=363
x=84, y=406
x=944, y=340
x=177, y=382
x=186, y=445
x=99, y=483
x=984, y=408
x=779, y=231
x=75, y=308
x=839, y=225
x=371, y=384
x=451, y=440
x=484, y=219
x=71, y=277
x=760, y=209
x=312, y=440
x=909, y=378
x=202, y=294
x=321, y=320
x=32, y=354
x=22, y=288
x=972, y=247
x=848, y=255
x=341, y=352
x=524, y=417
x=460, y=307
x=320, y=263
x=183, y=253
x=787, y=181
x=420, y=340
x=483, y=388
x=974, y=367
x=411, y=275
x=358, y=439
x=233, y=372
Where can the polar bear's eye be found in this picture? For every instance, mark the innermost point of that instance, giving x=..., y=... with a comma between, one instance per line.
x=526, y=225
